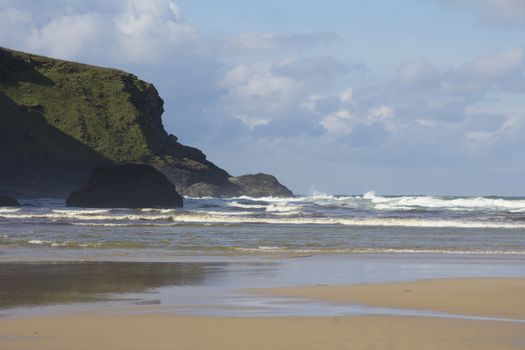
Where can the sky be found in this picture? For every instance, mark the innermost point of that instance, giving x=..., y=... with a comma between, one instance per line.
x=333, y=96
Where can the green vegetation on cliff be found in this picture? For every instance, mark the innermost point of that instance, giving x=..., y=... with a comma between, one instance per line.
x=60, y=119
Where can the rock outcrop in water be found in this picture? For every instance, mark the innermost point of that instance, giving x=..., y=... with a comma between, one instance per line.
x=259, y=185
x=252, y=185
x=126, y=186
x=8, y=202
x=59, y=120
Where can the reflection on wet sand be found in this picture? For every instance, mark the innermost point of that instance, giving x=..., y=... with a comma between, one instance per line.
x=32, y=284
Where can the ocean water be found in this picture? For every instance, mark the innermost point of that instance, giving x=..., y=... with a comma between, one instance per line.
x=303, y=225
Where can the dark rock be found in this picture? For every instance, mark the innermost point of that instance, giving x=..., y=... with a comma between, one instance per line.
x=8, y=202
x=126, y=186
x=203, y=189
x=259, y=185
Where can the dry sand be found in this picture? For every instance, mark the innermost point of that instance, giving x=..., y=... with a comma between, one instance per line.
x=491, y=297
x=120, y=329
x=156, y=332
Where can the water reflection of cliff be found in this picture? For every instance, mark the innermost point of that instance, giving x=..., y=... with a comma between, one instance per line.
x=26, y=284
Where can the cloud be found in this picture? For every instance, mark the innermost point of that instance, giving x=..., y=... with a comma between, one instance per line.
x=496, y=140
x=82, y=30
x=501, y=70
x=277, y=91
x=495, y=66
x=339, y=122
x=287, y=102
x=124, y=30
x=346, y=96
x=253, y=122
x=417, y=73
x=495, y=12
x=147, y=31
x=270, y=43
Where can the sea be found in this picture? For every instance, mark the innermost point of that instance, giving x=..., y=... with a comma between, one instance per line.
x=319, y=224
x=200, y=259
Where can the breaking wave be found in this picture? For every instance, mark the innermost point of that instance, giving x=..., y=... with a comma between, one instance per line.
x=447, y=203
x=369, y=210
x=318, y=224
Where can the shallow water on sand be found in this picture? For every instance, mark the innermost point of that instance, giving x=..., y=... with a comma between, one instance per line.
x=215, y=287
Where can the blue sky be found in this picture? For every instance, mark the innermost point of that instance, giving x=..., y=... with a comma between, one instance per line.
x=331, y=96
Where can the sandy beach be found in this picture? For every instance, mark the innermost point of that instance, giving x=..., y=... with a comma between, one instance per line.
x=122, y=328
x=488, y=297
x=103, y=331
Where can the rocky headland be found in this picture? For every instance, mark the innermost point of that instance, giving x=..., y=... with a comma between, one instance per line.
x=59, y=120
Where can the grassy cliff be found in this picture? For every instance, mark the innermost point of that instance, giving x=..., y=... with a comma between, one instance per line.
x=59, y=119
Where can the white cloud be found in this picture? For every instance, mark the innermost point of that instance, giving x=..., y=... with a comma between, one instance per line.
x=67, y=36
x=339, y=122
x=277, y=90
x=380, y=113
x=501, y=12
x=495, y=66
x=148, y=30
x=501, y=70
x=14, y=23
x=426, y=122
x=343, y=121
x=310, y=104
x=270, y=43
x=416, y=72
x=253, y=122
x=346, y=96
x=256, y=82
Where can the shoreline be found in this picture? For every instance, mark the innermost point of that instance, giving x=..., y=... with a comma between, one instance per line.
x=152, y=328
x=496, y=297
x=220, y=282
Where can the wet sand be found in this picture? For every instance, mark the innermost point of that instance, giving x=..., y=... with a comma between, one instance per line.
x=53, y=283
x=157, y=332
x=486, y=297
x=123, y=328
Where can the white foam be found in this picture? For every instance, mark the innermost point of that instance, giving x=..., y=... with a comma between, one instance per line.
x=372, y=222
x=288, y=213
x=246, y=206
x=36, y=241
x=282, y=208
x=157, y=210
x=286, y=250
x=224, y=213
x=9, y=210
x=75, y=212
x=430, y=202
x=81, y=216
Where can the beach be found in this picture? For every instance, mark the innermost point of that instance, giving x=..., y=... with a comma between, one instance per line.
x=486, y=297
x=192, y=305
x=330, y=272
x=124, y=328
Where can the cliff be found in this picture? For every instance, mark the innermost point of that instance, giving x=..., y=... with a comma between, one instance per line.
x=59, y=120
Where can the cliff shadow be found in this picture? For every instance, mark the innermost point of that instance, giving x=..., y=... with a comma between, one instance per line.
x=36, y=158
x=15, y=69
